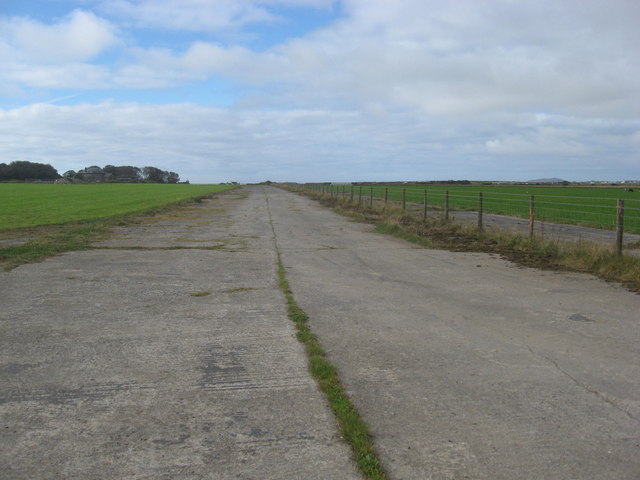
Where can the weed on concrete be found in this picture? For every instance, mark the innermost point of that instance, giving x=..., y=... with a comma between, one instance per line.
x=352, y=428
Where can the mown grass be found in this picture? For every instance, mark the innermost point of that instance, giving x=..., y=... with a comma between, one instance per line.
x=70, y=225
x=587, y=257
x=24, y=205
x=589, y=206
x=352, y=428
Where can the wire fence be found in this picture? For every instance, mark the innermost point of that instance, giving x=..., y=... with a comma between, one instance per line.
x=613, y=219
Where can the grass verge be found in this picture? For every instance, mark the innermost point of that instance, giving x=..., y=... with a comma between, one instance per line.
x=586, y=257
x=352, y=428
x=45, y=241
x=52, y=241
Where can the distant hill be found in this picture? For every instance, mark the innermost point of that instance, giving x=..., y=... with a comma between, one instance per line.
x=547, y=180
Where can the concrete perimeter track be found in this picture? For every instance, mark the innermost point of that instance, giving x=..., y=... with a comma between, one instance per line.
x=464, y=365
x=467, y=366
x=111, y=368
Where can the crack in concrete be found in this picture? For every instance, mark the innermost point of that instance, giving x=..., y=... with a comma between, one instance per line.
x=584, y=386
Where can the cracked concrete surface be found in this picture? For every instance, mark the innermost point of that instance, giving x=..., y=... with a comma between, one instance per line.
x=466, y=365
x=113, y=367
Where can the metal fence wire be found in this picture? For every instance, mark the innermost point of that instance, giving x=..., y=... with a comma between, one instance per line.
x=555, y=217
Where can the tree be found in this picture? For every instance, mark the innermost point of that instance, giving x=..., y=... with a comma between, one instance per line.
x=124, y=173
x=92, y=174
x=154, y=175
x=22, y=170
x=173, y=177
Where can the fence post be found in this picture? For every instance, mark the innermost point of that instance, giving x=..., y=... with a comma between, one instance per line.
x=386, y=196
x=446, y=204
x=480, y=212
x=352, y=187
x=424, y=212
x=370, y=196
x=360, y=195
x=620, y=227
x=531, y=215
x=404, y=199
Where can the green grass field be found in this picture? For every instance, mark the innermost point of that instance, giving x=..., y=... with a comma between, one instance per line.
x=28, y=205
x=589, y=206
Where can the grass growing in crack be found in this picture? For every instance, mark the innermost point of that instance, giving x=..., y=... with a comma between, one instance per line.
x=51, y=242
x=239, y=289
x=352, y=428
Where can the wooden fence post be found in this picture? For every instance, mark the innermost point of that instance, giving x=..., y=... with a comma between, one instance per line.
x=620, y=227
x=424, y=212
x=404, y=199
x=446, y=204
x=370, y=196
x=360, y=195
x=352, y=187
x=386, y=196
x=531, y=215
x=480, y=226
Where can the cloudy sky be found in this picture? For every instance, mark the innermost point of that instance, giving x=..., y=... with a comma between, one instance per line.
x=322, y=90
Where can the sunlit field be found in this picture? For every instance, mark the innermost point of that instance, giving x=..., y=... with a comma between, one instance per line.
x=591, y=206
x=28, y=205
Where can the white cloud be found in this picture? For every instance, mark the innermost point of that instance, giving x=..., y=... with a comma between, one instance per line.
x=543, y=141
x=213, y=144
x=71, y=75
x=469, y=57
x=439, y=57
x=78, y=37
x=402, y=89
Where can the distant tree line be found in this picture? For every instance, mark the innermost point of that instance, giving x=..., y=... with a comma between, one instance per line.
x=21, y=171
x=122, y=173
x=426, y=182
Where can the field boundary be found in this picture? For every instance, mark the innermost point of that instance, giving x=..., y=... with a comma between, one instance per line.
x=530, y=203
x=449, y=234
x=31, y=205
x=36, y=243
